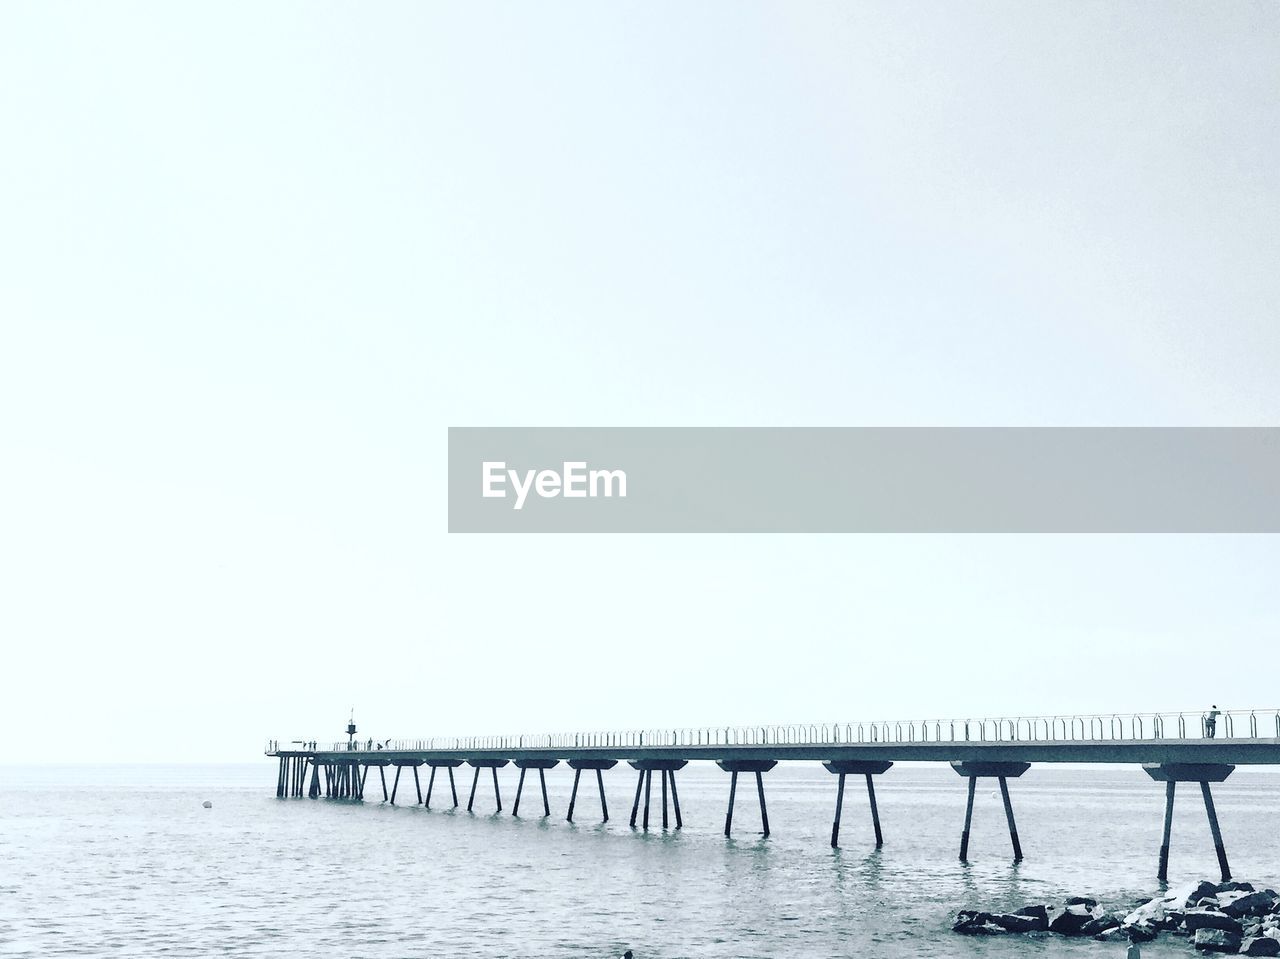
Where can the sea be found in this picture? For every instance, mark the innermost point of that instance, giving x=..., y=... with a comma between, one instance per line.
x=127, y=861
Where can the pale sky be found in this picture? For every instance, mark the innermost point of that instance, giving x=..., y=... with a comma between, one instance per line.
x=258, y=257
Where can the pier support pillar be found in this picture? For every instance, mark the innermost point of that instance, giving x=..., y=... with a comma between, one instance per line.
x=541, y=765
x=868, y=768
x=431, y=780
x=1002, y=771
x=646, y=768
x=1203, y=773
x=493, y=765
x=599, y=765
x=757, y=766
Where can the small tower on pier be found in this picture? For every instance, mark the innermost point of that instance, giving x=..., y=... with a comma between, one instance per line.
x=351, y=730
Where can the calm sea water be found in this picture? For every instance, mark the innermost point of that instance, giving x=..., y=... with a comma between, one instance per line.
x=123, y=860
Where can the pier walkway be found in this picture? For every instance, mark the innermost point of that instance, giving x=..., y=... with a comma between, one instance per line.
x=1192, y=747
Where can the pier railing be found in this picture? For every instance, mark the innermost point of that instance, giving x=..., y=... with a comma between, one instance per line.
x=1101, y=727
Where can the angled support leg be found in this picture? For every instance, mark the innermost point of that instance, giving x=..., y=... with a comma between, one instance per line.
x=635, y=806
x=968, y=820
x=475, y=781
x=835, y=824
x=515, y=807
x=546, y=803
x=1008, y=814
x=573, y=796
x=875, y=811
x=733, y=790
x=1162, y=871
x=396, y=785
x=417, y=785
x=764, y=813
x=1217, y=833
x=431, y=784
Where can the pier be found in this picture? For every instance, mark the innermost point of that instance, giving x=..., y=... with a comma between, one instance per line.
x=1186, y=747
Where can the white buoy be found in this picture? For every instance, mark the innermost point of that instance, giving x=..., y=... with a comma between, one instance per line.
x=207, y=804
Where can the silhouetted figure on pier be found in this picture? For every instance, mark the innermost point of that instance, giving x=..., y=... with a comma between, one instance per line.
x=1211, y=721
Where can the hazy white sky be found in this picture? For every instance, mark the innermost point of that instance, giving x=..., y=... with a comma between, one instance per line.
x=257, y=257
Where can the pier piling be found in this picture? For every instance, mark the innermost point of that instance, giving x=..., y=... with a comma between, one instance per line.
x=1204, y=773
x=993, y=770
x=856, y=767
x=757, y=766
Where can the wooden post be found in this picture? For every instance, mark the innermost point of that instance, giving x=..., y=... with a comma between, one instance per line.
x=1008, y=814
x=496, y=795
x=453, y=788
x=395, y=785
x=664, y=799
x=675, y=799
x=382, y=774
x=1217, y=833
x=635, y=805
x=573, y=796
x=733, y=789
x=515, y=808
x=968, y=821
x=475, y=781
x=431, y=784
x=764, y=813
x=648, y=786
x=417, y=784
x=546, y=803
x=835, y=823
x=1162, y=873
x=604, y=806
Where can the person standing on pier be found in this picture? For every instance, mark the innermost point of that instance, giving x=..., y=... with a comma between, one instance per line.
x=1211, y=721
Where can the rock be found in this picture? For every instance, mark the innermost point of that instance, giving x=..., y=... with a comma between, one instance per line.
x=1068, y=923
x=1082, y=901
x=1260, y=946
x=1251, y=904
x=1199, y=892
x=1037, y=912
x=1095, y=927
x=970, y=922
x=1141, y=932
x=1015, y=922
x=1234, y=887
x=206, y=804
x=1151, y=911
x=1216, y=940
x=1197, y=919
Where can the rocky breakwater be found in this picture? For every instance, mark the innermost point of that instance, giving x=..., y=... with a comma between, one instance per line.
x=1229, y=917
